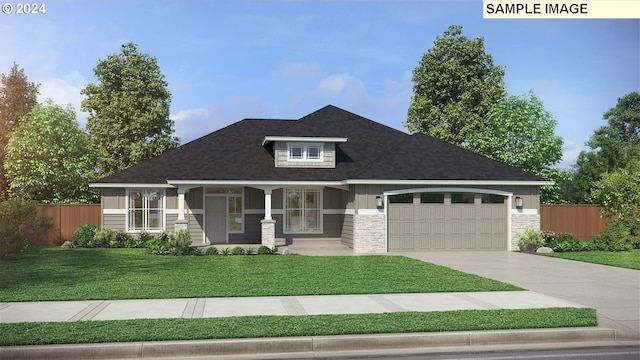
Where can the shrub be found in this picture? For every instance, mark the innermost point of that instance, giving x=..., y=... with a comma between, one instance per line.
x=11, y=242
x=548, y=236
x=83, y=236
x=127, y=241
x=181, y=238
x=529, y=239
x=19, y=222
x=145, y=237
x=226, y=251
x=238, y=250
x=104, y=236
x=264, y=250
x=212, y=251
x=617, y=236
x=158, y=245
x=249, y=250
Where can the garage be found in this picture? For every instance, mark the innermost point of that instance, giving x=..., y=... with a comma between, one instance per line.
x=443, y=221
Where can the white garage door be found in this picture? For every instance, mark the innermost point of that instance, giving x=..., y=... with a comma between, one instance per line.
x=458, y=221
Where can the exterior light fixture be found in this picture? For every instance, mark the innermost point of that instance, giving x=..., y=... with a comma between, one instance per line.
x=518, y=202
x=379, y=203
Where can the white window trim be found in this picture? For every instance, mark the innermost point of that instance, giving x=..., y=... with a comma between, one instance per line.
x=305, y=151
x=128, y=212
x=320, y=210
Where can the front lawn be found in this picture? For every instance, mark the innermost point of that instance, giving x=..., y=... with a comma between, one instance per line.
x=54, y=274
x=281, y=326
x=624, y=259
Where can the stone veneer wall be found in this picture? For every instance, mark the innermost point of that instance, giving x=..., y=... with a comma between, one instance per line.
x=368, y=233
x=520, y=222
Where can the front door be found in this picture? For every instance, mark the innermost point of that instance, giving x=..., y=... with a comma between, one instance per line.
x=216, y=219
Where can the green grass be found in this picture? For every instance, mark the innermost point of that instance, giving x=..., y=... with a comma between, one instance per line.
x=624, y=259
x=280, y=326
x=50, y=274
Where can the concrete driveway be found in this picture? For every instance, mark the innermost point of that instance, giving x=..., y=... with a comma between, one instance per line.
x=613, y=292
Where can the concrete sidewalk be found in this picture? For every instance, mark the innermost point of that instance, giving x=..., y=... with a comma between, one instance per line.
x=63, y=311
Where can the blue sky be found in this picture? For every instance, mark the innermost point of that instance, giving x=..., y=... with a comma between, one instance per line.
x=229, y=60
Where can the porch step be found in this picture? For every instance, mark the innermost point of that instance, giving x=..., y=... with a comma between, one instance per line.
x=317, y=244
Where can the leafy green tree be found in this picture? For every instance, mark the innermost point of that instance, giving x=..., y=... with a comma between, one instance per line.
x=128, y=110
x=17, y=97
x=48, y=158
x=618, y=192
x=611, y=146
x=455, y=84
x=618, y=195
x=521, y=133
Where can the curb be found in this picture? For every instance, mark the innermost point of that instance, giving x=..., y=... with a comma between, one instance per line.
x=312, y=344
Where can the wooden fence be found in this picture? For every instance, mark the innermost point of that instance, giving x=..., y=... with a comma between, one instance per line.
x=66, y=218
x=582, y=221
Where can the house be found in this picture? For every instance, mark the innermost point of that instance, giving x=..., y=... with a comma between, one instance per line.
x=330, y=175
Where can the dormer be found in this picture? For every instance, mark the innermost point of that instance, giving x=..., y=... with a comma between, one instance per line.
x=304, y=151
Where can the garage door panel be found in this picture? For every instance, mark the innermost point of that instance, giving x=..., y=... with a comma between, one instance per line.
x=447, y=227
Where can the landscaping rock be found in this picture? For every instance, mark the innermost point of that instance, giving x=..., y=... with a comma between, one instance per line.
x=544, y=250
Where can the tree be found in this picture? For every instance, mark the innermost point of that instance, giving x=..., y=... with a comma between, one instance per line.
x=128, y=110
x=612, y=146
x=48, y=158
x=17, y=97
x=455, y=84
x=618, y=192
x=521, y=133
x=618, y=195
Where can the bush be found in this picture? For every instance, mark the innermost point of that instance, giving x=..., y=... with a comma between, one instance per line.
x=529, y=239
x=105, y=237
x=249, y=250
x=159, y=245
x=181, y=238
x=83, y=236
x=226, y=251
x=238, y=250
x=18, y=223
x=127, y=241
x=11, y=242
x=548, y=237
x=617, y=236
x=264, y=250
x=212, y=251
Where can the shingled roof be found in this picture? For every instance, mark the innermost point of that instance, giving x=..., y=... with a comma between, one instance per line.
x=373, y=152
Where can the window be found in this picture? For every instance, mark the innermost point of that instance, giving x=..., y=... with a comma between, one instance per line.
x=303, y=210
x=462, y=198
x=146, y=210
x=432, y=198
x=492, y=199
x=305, y=152
x=296, y=152
x=401, y=199
x=313, y=152
x=235, y=213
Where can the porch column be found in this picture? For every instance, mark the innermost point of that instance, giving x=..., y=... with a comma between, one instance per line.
x=267, y=204
x=181, y=223
x=268, y=233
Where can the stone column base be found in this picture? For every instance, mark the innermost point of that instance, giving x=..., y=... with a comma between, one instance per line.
x=180, y=224
x=268, y=236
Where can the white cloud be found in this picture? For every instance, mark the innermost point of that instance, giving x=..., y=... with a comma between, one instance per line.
x=570, y=152
x=297, y=71
x=191, y=124
x=64, y=91
x=343, y=86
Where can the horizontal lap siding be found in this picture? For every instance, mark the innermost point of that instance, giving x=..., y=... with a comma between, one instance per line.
x=347, y=231
x=116, y=222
